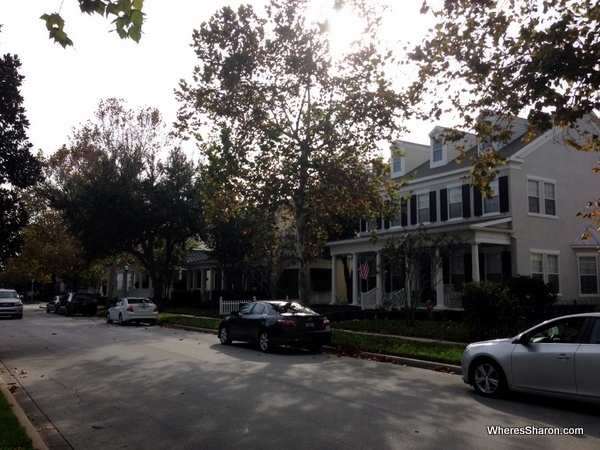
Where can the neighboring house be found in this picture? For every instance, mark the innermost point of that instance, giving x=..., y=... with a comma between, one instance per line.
x=528, y=227
x=206, y=275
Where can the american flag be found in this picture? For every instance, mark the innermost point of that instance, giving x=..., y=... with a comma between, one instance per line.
x=364, y=269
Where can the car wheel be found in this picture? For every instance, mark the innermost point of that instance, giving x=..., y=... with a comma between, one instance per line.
x=108, y=319
x=67, y=312
x=264, y=341
x=488, y=378
x=121, y=321
x=224, y=336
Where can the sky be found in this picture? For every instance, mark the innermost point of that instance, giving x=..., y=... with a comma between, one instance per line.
x=62, y=87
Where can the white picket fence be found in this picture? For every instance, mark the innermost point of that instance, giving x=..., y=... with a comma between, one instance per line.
x=228, y=306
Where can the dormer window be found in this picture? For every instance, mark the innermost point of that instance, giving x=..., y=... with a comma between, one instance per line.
x=397, y=165
x=437, y=150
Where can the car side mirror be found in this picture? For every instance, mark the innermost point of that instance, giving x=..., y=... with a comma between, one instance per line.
x=524, y=339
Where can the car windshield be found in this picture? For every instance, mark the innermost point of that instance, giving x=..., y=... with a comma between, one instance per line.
x=290, y=307
x=8, y=294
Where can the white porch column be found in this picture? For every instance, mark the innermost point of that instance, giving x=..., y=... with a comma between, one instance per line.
x=379, y=278
x=355, y=290
x=333, y=280
x=475, y=261
x=203, y=280
x=439, y=285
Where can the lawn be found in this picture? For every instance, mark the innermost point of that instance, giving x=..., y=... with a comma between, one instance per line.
x=12, y=433
x=379, y=342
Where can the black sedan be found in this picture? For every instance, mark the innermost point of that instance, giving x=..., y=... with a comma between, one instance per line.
x=271, y=323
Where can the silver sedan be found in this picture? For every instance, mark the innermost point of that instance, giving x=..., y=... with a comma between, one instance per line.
x=133, y=309
x=560, y=358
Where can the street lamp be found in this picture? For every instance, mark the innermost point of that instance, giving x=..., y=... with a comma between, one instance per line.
x=125, y=280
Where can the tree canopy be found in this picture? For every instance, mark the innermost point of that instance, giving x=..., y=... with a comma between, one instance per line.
x=510, y=58
x=288, y=126
x=127, y=14
x=18, y=167
x=119, y=195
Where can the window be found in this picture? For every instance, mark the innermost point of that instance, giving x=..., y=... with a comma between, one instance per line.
x=565, y=331
x=455, y=208
x=533, y=195
x=537, y=266
x=588, y=275
x=437, y=150
x=549, y=200
x=493, y=267
x=541, y=197
x=259, y=309
x=423, y=208
x=492, y=204
x=397, y=164
x=545, y=267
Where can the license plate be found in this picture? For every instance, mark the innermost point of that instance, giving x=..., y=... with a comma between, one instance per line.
x=309, y=325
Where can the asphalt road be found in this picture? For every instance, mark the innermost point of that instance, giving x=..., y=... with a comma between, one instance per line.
x=86, y=384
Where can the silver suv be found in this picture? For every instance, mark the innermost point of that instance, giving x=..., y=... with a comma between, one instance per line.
x=10, y=304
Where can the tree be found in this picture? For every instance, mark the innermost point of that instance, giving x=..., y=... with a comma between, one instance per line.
x=119, y=196
x=128, y=19
x=288, y=122
x=509, y=58
x=417, y=258
x=49, y=249
x=19, y=169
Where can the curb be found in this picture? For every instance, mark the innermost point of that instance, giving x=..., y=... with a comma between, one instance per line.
x=35, y=437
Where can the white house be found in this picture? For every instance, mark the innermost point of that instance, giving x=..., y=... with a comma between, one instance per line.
x=529, y=226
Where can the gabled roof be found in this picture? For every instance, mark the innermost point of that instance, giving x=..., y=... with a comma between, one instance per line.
x=196, y=256
x=591, y=240
x=424, y=170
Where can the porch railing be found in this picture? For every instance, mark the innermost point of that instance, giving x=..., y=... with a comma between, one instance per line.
x=369, y=299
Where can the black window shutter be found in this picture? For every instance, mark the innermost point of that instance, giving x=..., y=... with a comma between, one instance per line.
x=466, y=201
x=444, y=205
x=413, y=209
x=503, y=188
x=432, y=206
x=403, y=214
x=468, y=267
x=477, y=202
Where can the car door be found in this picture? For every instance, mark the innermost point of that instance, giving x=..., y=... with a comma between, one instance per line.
x=236, y=323
x=252, y=322
x=587, y=363
x=547, y=361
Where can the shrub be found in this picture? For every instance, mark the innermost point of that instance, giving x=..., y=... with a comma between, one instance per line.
x=533, y=297
x=486, y=305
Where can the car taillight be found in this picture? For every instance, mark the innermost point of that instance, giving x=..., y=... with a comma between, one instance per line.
x=286, y=323
x=155, y=308
x=326, y=323
x=130, y=308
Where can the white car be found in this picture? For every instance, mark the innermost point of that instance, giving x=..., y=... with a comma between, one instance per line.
x=133, y=309
x=559, y=358
x=10, y=304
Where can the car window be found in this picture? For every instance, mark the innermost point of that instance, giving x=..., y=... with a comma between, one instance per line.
x=595, y=336
x=246, y=308
x=8, y=294
x=259, y=309
x=561, y=332
x=291, y=307
x=134, y=300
